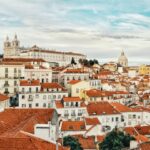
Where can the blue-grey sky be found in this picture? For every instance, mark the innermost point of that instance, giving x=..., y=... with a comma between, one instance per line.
x=98, y=28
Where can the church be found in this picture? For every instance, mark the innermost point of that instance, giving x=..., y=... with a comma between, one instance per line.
x=123, y=60
x=12, y=49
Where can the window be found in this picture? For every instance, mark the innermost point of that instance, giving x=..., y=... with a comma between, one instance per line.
x=37, y=95
x=59, y=96
x=23, y=105
x=71, y=103
x=23, y=96
x=67, y=104
x=30, y=105
x=15, y=83
x=112, y=119
x=134, y=116
x=37, y=89
x=49, y=96
x=30, y=89
x=37, y=105
x=44, y=105
x=117, y=118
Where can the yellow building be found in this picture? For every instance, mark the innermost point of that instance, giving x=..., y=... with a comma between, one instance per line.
x=144, y=69
x=76, y=87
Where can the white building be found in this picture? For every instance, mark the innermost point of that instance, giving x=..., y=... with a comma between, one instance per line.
x=14, y=50
x=73, y=74
x=35, y=95
x=71, y=108
x=10, y=75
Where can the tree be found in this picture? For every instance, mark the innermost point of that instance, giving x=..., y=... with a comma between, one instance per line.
x=72, y=142
x=116, y=140
x=73, y=61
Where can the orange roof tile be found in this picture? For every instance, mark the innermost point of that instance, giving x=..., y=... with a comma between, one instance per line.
x=86, y=142
x=71, y=99
x=101, y=108
x=141, y=138
x=92, y=121
x=120, y=107
x=27, y=142
x=3, y=97
x=14, y=120
x=145, y=146
x=98, y=93
x=74, y=81
x=52, y=85
x=29, y=83
x=73, y=126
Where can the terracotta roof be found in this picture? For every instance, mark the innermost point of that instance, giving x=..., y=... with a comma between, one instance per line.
x=14, y=120
x=101, y=108
x=3, y=97
x=23, y=60
x=73, y=126
x=52, y=85
x=92, y=121
x=74, y=81
x=120, y=107
x=86, y=142
x=141, y=138
x=71, y=99
x=100, y=138
x=27, y=142
x=29, y=83
x=29, y=66
x=98, y=93
x=145, y=146
x=75, y=71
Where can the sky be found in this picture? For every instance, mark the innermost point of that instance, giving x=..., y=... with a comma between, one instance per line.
x=101, y=29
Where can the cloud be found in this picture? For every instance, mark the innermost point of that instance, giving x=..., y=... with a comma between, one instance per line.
x=97, y=28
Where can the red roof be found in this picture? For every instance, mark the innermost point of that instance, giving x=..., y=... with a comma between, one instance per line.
x=145, y=146
x=27, y=142
x=71, y=99
x=23, y=60
x=86, y=142
x=92, y=121
x=3, y=97
x=12, y=121
x=52, y=85
x=101, y=108
x=73, y=126
x=120, y=107
x=98, y=93
x=79, y=70
x=74, y=81
x=29, y=83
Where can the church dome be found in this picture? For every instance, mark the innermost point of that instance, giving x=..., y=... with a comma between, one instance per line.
x=123, y=59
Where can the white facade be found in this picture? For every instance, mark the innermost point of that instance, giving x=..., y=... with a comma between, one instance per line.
x=33, y=97
x=10, y=77
x=13, y=50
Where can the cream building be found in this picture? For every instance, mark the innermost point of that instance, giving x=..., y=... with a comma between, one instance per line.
x=13, y=50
